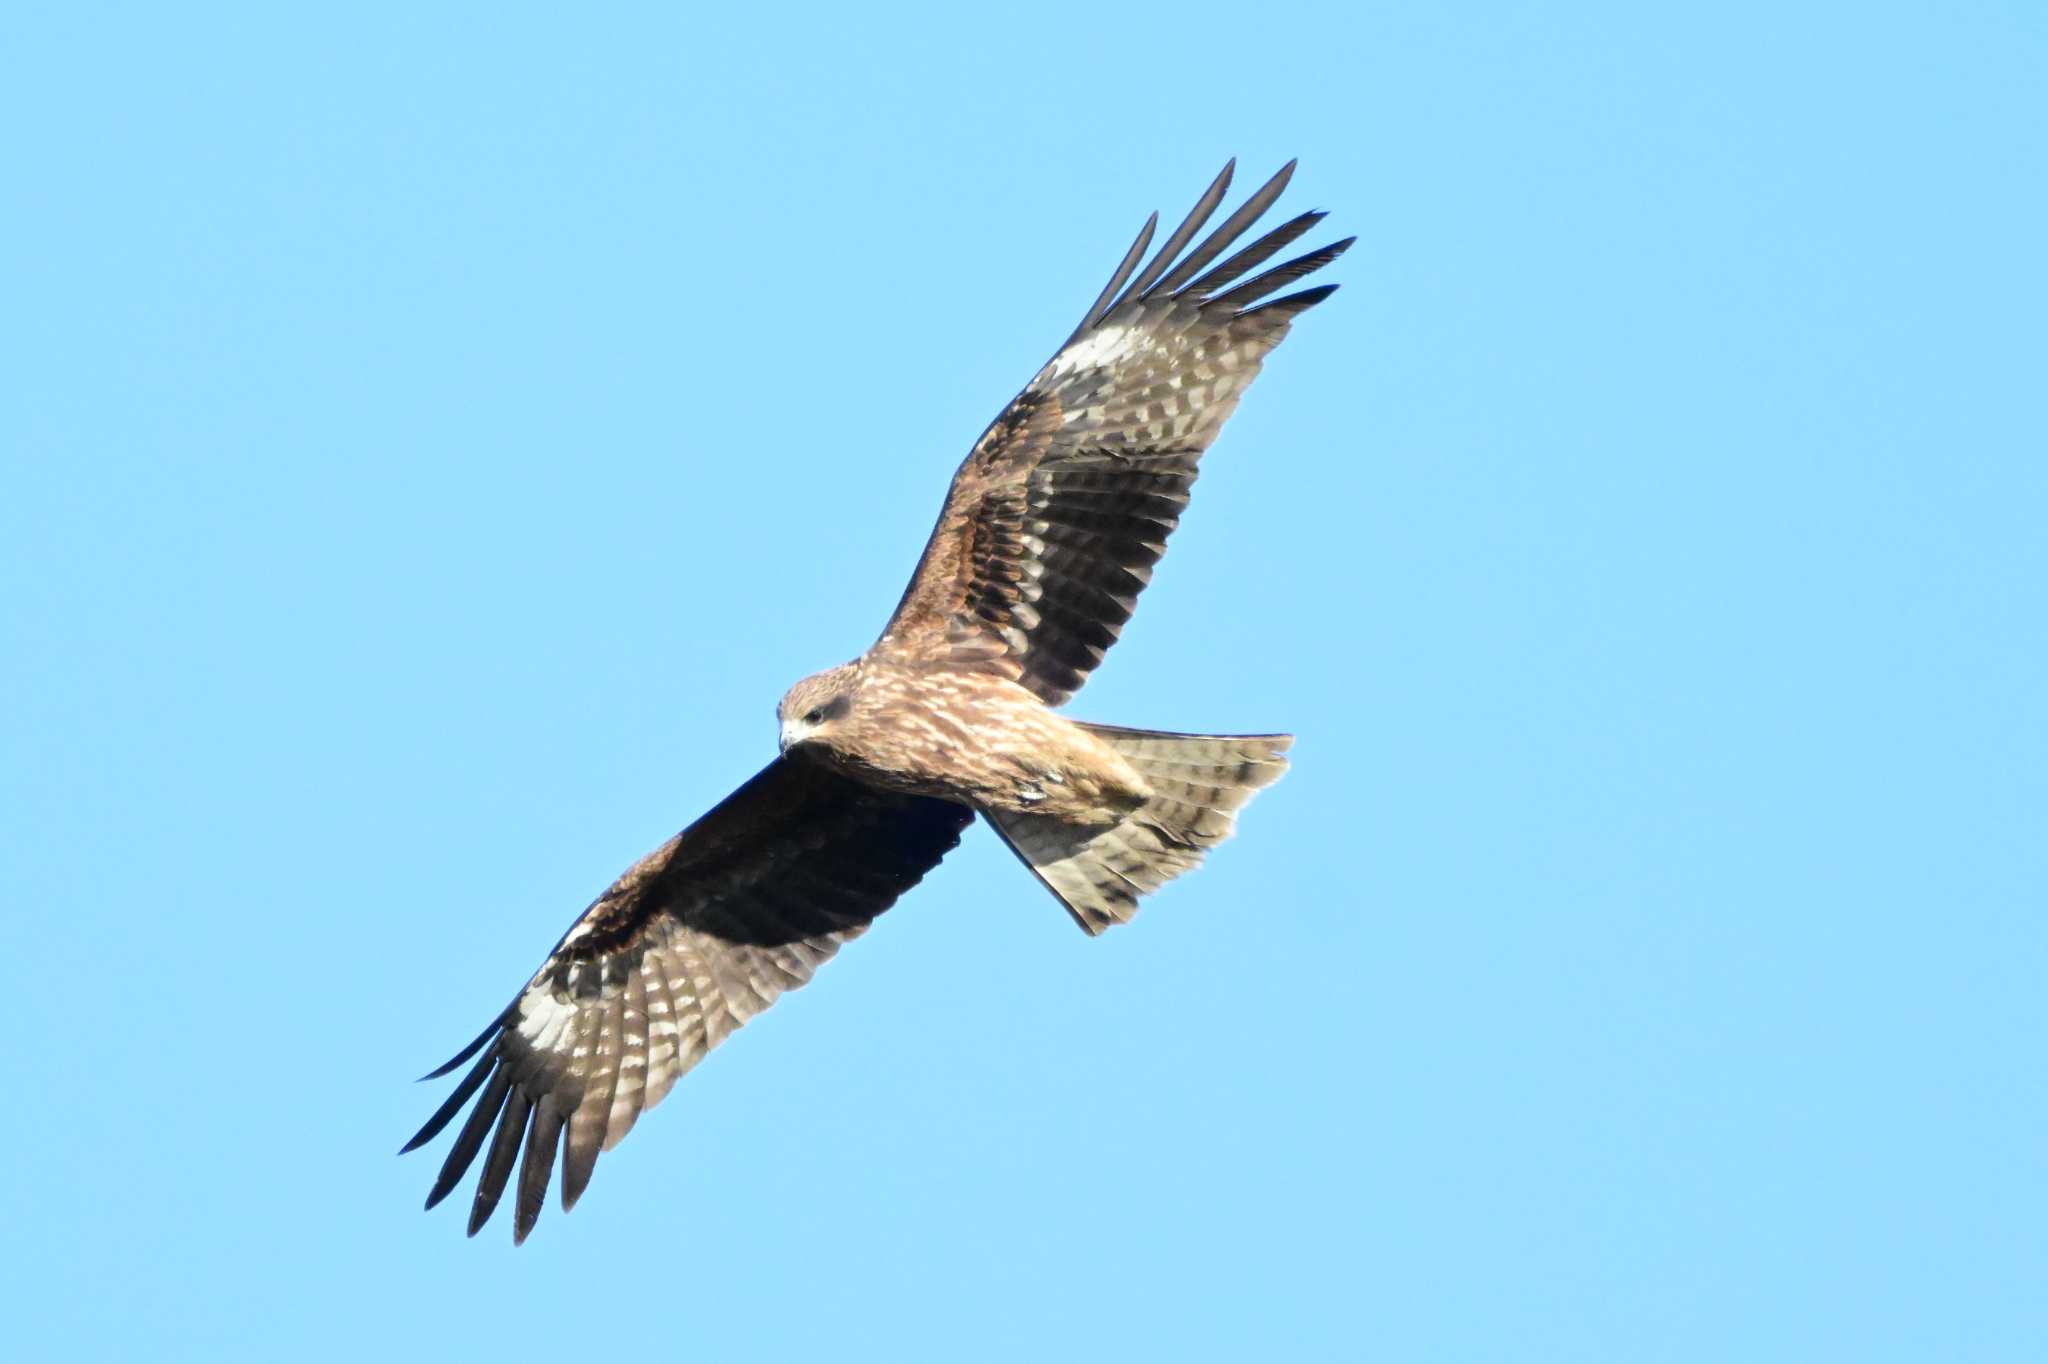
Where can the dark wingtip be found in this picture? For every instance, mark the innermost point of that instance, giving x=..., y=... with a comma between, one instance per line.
x=1162, y=261
x=1278, y=181
x=459, y=1057
x=1117, y=277
x=1217, y=242
x=505, y=1143
x=1294, y=304
x=577, y=1167
x=1251, y=256
x=542, y=1144
x=471, y=1137
x=1252, y=290
x=451, y=1105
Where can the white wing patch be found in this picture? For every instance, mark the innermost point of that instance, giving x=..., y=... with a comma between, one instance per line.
x=1103, y=347
x=542, y=1017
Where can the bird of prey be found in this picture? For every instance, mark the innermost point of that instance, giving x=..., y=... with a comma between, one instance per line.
x=1048, y=533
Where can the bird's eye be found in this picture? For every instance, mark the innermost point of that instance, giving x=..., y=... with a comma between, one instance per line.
x=815, y=716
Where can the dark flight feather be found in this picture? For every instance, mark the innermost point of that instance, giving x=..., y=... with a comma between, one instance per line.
x=1183, y=234
x=1118, y=276
x=1258, y=286
x=1249, y=212
x=1260, y=251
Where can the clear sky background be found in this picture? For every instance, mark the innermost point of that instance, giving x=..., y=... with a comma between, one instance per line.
x=433, y=442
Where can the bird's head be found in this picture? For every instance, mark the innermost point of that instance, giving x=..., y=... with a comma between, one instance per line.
x=811, y=708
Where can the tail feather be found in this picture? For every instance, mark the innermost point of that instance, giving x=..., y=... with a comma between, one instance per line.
x=1199, y=782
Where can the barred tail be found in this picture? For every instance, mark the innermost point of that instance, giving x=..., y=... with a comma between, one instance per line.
x=1199, y=782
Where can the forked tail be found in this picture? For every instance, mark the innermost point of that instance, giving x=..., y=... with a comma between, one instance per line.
x=1199, y=782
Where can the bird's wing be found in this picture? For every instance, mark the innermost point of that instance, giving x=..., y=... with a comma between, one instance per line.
x=698, y=937
x=1055, y=518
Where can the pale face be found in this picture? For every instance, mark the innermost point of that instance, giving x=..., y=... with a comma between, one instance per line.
x=813, y=707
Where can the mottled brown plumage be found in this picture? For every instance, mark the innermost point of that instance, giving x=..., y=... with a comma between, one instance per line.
x=1049, y=532
x=958, y=734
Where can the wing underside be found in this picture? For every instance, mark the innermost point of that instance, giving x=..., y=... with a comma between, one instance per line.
x=694, y=940
x=1054, y=521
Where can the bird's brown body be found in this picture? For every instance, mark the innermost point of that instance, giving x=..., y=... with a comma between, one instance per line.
x=963, y=736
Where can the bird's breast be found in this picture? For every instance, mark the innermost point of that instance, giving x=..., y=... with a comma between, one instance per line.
x=986, y=742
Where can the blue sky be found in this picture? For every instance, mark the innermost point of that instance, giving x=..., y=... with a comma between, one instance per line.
x=433, y=441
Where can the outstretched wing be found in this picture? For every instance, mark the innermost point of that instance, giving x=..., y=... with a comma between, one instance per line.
x=698, y=937
x=1055, y=518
